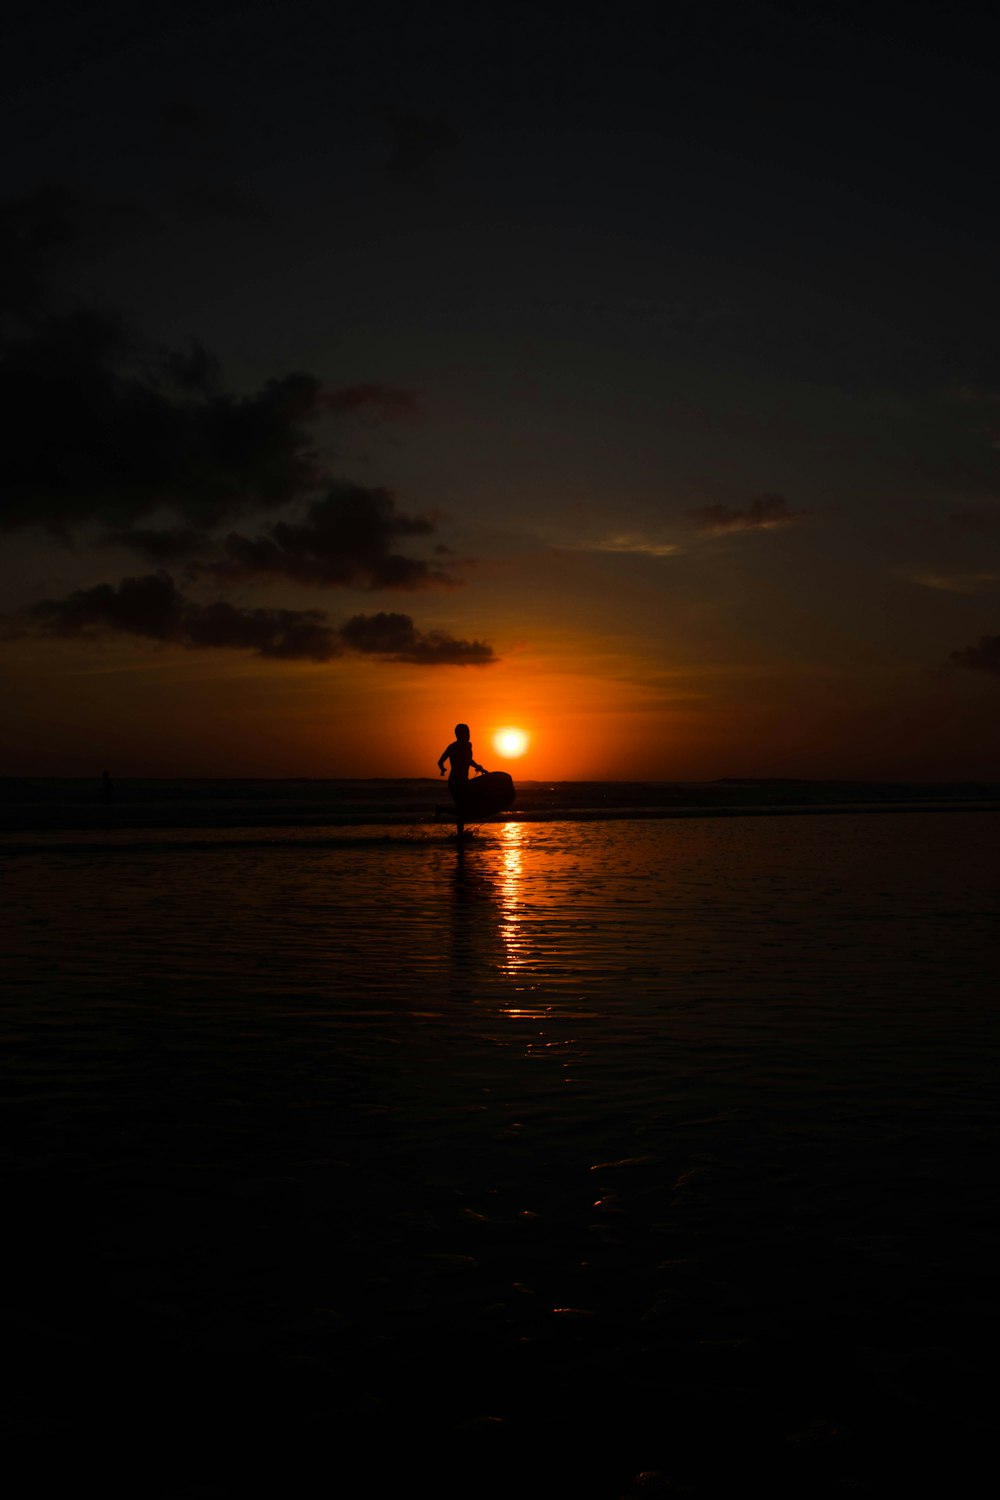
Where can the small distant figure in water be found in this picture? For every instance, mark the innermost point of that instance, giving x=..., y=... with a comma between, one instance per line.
x=107, y=789
x=459, y=752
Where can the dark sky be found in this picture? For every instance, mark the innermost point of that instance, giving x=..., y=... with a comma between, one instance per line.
x=627, y=375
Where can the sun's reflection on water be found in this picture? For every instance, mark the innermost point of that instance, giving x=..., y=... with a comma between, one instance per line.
x=511, y=878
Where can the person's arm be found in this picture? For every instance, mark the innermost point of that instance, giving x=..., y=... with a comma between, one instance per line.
x=442, y=758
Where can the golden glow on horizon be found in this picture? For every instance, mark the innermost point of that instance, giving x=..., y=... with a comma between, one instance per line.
x=510, y=742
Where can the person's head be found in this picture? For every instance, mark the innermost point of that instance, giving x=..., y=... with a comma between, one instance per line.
x=461, y=731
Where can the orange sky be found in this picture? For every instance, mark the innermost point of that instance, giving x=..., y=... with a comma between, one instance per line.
x=146, y=710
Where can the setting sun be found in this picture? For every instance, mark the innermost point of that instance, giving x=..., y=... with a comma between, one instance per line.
x=510, y=742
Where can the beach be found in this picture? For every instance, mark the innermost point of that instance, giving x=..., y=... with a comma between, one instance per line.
x=607, y=1156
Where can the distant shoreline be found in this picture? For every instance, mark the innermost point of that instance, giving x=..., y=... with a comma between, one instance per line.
x=664, y=782
x=108, y=833
x=45, y=807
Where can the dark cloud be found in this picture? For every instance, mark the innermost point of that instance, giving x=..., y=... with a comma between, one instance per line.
x=394, y=636
x=286, y=634
x=101, y=427
x=95, y=432
x=765, y=513
x=192, y=370
x=153, y=608
x=148, y=606
x=346, y=539
x=984, y=656
x=144, y=448
x=100, y=430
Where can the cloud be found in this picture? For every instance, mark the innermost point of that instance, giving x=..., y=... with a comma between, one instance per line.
x=583, y=528
x=102, y=427
x=765, y=513
x=632, y=542
x=97, y=432
x=286, y=634
x=394, y=636
x=955, y=583
x=984, y=656
x=115, y=442
x=153, y=608
x=345, y=540
x=148, y=606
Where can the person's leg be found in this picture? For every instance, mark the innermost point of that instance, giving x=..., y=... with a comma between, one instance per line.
x=456, y=787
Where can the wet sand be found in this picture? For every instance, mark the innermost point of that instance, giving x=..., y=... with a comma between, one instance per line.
x=615, y=1159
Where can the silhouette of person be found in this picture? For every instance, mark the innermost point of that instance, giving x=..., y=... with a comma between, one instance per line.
x=107, y=790
x=459, y=753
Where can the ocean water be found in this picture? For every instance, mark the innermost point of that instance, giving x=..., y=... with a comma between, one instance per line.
x=701, y=1110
